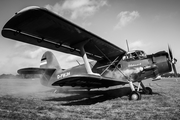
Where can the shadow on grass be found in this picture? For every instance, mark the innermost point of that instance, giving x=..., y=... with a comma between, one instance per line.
x=82, y=97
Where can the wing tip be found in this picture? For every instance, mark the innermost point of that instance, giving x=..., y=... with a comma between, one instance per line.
x=28, y=8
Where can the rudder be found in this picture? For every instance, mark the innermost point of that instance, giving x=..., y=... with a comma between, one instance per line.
x=48, y=60
x=50, y=64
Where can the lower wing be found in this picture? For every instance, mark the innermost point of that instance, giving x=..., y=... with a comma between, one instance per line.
x=91, y=81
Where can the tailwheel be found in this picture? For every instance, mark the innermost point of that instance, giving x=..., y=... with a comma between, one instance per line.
x=88, y=89
x=135, y=96
x=148, y=91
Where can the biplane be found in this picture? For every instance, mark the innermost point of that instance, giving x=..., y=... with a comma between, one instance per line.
x=111, y=65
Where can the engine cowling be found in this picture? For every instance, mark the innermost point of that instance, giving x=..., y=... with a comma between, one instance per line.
x=162, y=62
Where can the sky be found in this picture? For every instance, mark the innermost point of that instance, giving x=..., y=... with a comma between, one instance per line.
x=148, y=25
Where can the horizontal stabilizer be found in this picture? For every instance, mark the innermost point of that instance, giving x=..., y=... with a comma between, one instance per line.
x=35, y=70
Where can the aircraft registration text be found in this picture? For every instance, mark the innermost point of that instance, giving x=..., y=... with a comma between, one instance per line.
x=134, y=65
x=63, y=75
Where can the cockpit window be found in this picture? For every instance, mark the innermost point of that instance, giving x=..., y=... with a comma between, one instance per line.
x=141, y=54
x=135, y=55
x=130, y=56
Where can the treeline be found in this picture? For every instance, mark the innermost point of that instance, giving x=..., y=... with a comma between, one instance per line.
x=22, y=76
x=170, y=75
x=9, y=76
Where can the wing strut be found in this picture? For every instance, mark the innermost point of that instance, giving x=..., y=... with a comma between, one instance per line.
x=103, y=54
x=85, y=59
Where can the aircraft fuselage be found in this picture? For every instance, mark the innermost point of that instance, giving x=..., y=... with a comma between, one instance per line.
x=133, y=69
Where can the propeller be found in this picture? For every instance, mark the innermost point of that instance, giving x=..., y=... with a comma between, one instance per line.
x=173, y=61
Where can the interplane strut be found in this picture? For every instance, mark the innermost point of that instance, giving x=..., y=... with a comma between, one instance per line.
x=85, y=59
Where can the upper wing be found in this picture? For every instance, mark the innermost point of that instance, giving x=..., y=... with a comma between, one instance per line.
x=38, y=26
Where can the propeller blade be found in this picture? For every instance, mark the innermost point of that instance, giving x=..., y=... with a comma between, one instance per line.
x=174, y=69
x=173, y=61
x=170, y=53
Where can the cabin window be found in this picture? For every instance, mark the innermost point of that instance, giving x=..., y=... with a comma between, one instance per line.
x=130, y=56
x=141, y=54
x=136, y=55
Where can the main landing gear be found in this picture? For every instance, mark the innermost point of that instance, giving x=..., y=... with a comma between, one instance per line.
x=135, y=94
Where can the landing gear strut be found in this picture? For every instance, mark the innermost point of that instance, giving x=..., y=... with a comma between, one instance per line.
x=134, y=95
x=145, y=90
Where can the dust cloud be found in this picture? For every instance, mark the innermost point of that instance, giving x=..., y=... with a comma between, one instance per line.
x=21, y=86
x=131, y=74
x=32, y=88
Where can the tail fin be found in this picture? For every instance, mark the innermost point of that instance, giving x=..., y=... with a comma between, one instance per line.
x=50, y=64
x=48, y=67
x=48, y=60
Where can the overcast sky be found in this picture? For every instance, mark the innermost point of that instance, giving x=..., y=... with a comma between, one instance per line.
x=149, y=25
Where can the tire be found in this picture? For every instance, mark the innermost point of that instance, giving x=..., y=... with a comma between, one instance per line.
x=135, y=96
x=148, y=91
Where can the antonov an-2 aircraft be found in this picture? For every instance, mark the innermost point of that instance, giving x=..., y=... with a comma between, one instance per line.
x=111, y=66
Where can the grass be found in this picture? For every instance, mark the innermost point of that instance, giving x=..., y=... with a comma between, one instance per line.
x=164, y=104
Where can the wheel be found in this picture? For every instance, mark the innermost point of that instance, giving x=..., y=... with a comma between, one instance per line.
x=135, y=95
x=148, y=91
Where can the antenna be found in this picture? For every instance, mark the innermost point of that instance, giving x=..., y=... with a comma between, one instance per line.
x=127, y=45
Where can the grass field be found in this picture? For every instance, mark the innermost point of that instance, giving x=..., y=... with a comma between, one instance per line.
x=27, y=99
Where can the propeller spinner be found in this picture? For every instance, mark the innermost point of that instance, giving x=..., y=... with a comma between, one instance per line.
x=173, y=61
